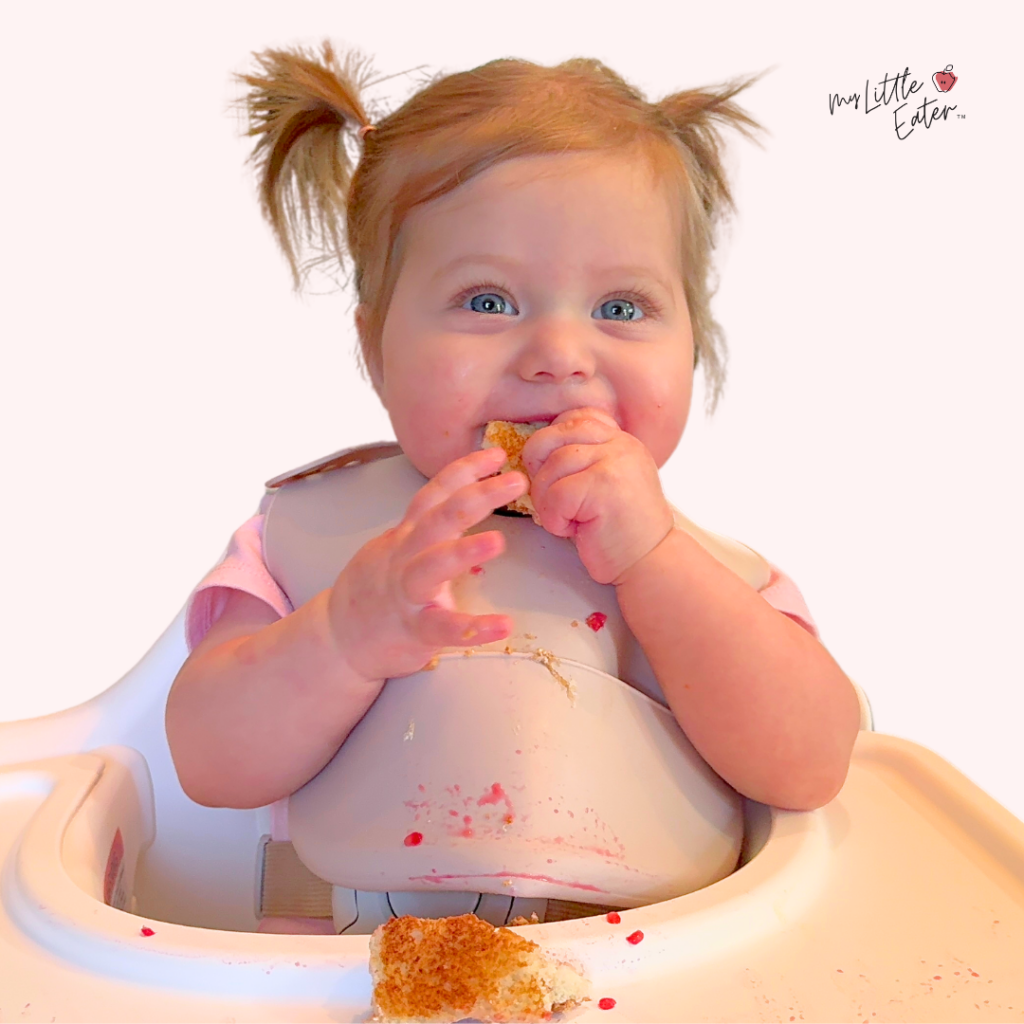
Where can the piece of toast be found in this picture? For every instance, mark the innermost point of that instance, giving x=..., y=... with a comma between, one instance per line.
x=512, y=437
x=455, y=967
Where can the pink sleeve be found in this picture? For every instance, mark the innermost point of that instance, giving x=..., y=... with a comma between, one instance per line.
x=782, y=594
x=241, y=568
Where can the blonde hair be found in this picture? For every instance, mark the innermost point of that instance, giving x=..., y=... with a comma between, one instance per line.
x=305, y=108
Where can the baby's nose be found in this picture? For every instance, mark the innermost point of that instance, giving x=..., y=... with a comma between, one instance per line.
x=557, y=352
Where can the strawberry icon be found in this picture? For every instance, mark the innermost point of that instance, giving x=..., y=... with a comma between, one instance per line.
x=944, y=80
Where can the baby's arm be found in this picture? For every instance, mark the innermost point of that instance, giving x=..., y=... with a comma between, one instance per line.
x=261, y=705
x=759, y=697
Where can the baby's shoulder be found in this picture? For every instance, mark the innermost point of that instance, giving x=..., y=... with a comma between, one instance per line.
x=357, y=455
x=744, y=561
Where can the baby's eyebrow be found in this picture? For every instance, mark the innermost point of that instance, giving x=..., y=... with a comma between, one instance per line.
x=507, y=263
x=475, y=257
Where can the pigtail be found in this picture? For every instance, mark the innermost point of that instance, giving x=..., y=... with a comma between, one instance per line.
x=299, y=108
x=694, y=117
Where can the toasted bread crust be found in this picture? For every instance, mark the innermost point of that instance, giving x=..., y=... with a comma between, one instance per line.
x=455, y=967
x=512, y=437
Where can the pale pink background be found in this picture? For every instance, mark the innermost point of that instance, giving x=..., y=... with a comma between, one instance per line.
x=157, y=368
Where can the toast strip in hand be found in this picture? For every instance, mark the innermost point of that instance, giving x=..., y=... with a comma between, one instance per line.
x=512, y=437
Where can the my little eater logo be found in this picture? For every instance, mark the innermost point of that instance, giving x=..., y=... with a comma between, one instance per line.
x=896, y=90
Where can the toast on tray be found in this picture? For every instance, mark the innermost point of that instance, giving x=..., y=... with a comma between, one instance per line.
x=455, y=967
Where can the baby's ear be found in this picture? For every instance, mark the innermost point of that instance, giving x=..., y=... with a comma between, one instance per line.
x=361, y=320
x=371, y=361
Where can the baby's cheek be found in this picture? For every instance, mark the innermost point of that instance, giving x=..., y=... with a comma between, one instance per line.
x=434, y=424
x=659, y=421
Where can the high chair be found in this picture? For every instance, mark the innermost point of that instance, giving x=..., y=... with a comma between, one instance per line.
x=122, y=900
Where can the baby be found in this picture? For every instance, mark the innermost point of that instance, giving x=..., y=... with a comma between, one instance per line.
x=530, y=244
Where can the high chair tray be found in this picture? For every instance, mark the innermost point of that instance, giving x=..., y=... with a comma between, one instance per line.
x=902, y=900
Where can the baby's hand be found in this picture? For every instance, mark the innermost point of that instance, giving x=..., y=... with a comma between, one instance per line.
x=391, y=609
x=598, y=485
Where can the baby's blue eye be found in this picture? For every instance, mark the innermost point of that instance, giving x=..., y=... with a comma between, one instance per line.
x=490, y=302
x=620, y=309
x=623, y=310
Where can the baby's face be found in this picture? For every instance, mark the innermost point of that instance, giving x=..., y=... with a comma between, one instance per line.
x=521, y=295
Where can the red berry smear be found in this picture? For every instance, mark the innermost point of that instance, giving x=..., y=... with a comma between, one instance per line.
x=146, y=932
x=613, y=918
x=596, y=620
x=607, y=1003
x=476, y=570
x=414, y=839
x=635, y=937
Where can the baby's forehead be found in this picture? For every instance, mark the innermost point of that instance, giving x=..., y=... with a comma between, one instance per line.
x=628, y=171
x=572, y=208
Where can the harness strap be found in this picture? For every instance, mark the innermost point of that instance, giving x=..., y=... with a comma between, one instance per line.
x=289, y=889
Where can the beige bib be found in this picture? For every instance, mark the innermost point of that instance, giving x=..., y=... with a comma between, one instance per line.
x=482, y=774
x=319, y=519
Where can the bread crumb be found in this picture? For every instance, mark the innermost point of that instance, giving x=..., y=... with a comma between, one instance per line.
x=410, y=732
x=574, y=623
x=432, y=664
x=549, y=661
x=520, y=921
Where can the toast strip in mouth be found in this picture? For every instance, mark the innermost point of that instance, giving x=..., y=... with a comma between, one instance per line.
x=455, y=967
x=512, y=437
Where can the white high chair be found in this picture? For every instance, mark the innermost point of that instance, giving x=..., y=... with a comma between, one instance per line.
x=121, y=900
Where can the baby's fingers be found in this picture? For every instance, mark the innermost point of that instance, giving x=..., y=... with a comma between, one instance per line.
x=463, y=510
x=439, y=627
x=475, y=466
x=426, y=572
